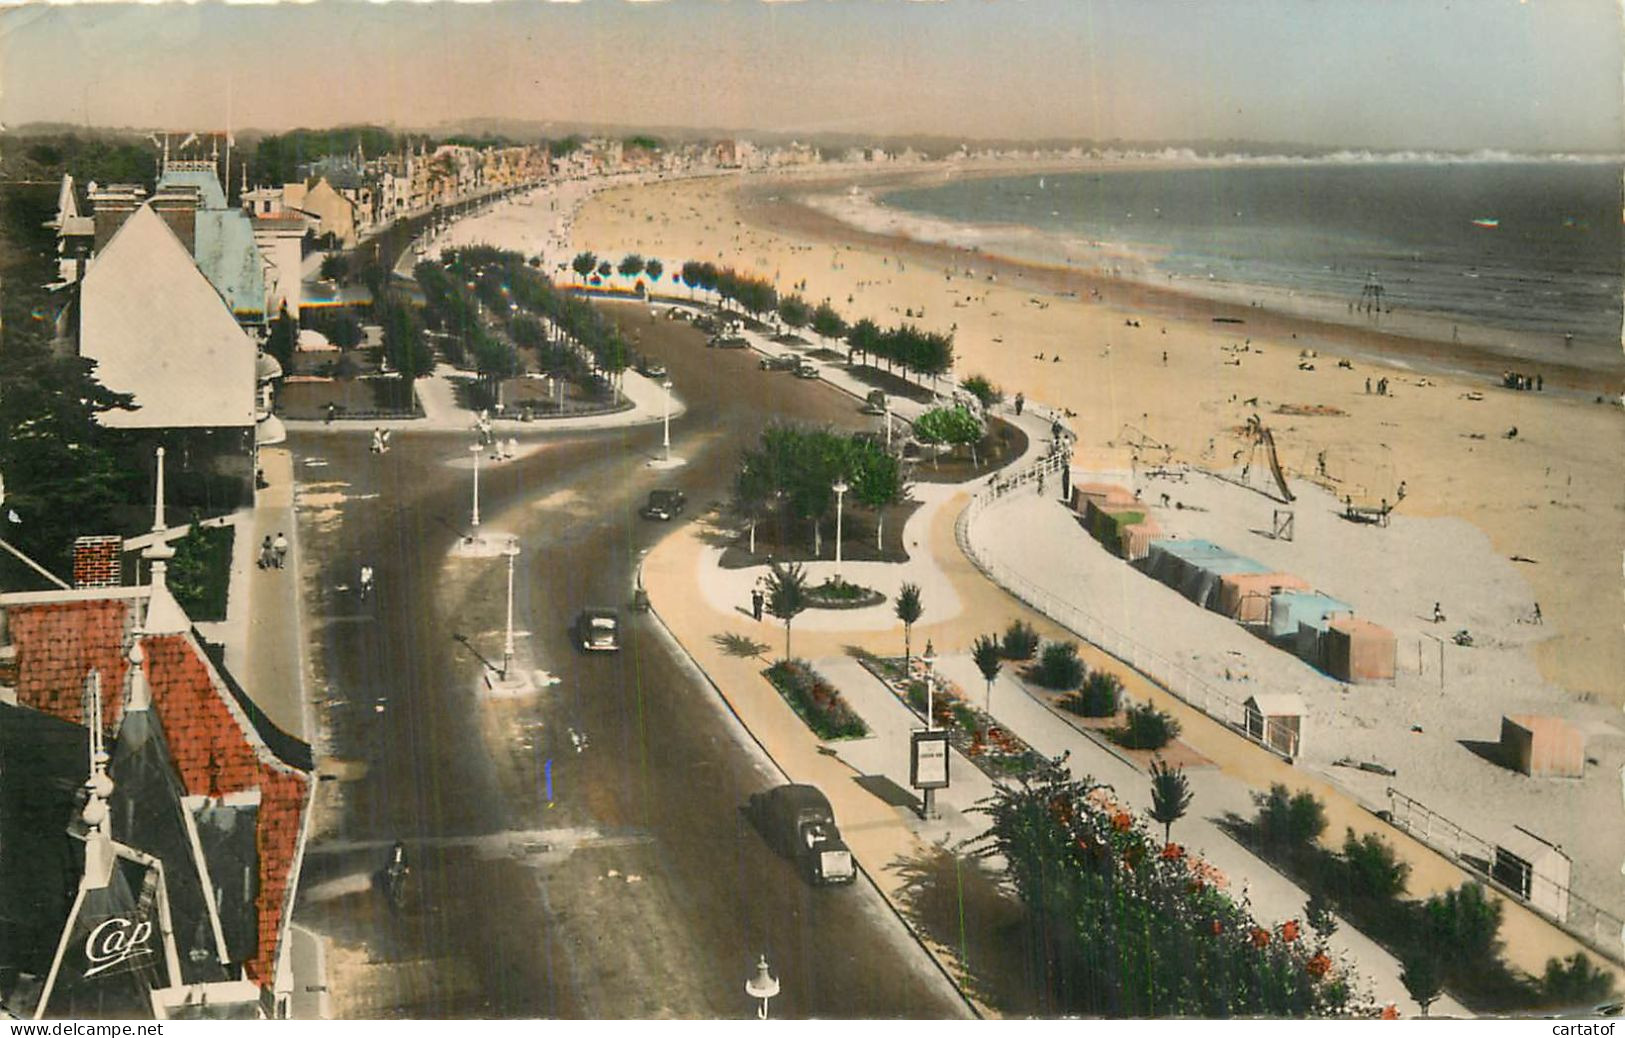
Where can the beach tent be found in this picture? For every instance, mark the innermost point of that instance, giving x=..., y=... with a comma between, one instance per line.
x=1276, y=720
x=1289, y=609
x=1203, y=573
x=1099, y=493
x=1542, y=747
x=1135, y=539
x=1535, y=870
x=1245, y=597
x=1106, y=521
x=1165, y=560
x=1358, y=650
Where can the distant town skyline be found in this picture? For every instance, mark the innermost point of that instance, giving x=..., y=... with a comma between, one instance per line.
x=1540, y=76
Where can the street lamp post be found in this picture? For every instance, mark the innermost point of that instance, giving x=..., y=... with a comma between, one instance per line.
x=666, y=438
x=840, y=489
x=888, y=424
x=512, y=551
x=763, y=986
x=475, y=450
x=928, y=796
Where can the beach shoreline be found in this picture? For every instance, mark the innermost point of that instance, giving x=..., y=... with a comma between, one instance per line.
x=799, y=212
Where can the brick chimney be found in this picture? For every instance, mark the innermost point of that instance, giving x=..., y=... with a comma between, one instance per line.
x=178, y=205
x=98, y=561
x=112, y=205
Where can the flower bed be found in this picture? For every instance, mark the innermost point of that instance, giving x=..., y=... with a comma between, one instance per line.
x=996, y=752
x=815, y=701
x=839, y=594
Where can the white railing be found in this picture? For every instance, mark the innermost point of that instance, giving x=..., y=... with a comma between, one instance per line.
x=1597, y=927
x=1172, y=676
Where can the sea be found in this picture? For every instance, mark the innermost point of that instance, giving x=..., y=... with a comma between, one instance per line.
x=1523, y=257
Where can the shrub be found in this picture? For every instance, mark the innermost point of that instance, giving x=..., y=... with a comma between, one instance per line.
x=1020, y=641
x=1289, y=819
x=1575, y=981
x=1059, y=666
x=1371, y=869
x=1147, y=728
x=1100, y=695
x=983, y=390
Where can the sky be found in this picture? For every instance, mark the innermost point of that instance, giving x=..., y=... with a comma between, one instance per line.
x=1532, y=76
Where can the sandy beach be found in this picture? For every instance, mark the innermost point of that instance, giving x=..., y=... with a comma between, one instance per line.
x=1181, y=387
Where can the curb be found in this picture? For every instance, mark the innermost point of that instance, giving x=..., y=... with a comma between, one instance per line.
x=919, y=940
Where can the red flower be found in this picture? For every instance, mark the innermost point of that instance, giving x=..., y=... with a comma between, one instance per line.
x=1390, y=1012
x=1261, y=937
x=1218, y=928
x=1318, y=966
x=1289, y=930
x=1172, y=852
x=1121, y=821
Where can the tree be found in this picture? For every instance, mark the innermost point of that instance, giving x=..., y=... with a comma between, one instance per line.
x=1170, y=796
x=654, y=268
x=1058, y=667
x=863, y=337
x=631, y=265
x=1020, y=641
x=1575, y=980
x=1147, y=728
x=877, y=482
x=604, y=269
x=1371, y=868
x=826, y=323
x=986, y=393
x=1419, y=972
x=583, y=265
x=691, y=275
x=909, y=610
x=794, y=311
x=787, y=596
x=280, y=342
x=334, y=266
x=988, y=656
x=404, y=344
x=955, y=426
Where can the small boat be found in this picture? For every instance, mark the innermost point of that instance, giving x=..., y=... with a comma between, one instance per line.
x=1040, y=183
x=1491, y=222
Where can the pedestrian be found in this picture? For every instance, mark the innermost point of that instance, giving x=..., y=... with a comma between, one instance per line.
x=267, y=553
x=1401, y=492
x=366, y=581
x=757, y=601
x=1368, y=385
x=384, y=440
x=513, y=447
x=378, y=441
x=1538, y=620
x=1540, y=383
x=280, y=547
x=1021, y=401
x=331, y=411
x=1438, y=614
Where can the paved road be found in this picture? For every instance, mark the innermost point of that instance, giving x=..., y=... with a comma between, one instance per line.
x=637, y=890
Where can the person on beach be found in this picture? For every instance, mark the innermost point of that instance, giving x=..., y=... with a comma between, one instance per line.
x=1540, y=383
x=1537, y=618
x=1368, y=386
x=280, y=547
x=1438, y=614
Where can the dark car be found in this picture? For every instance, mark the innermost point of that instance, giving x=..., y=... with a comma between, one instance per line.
x=652, y=369
x=806, y=369
x=727, y=342
x=797, y=822
x=665, y=505
x=785, y=363
x=598, y=630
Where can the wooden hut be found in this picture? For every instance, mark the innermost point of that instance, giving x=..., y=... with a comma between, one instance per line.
x=1276, y=720
x=1245, y=597
x=1543, y=747
x=1535, y=870
x=1353, y=649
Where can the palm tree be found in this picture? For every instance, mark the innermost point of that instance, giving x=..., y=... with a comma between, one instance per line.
x=989, y=659
x=909, y=610
x=1170, y=796
x=787, y=596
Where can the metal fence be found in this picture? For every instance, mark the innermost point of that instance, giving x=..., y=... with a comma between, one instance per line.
x=1270, y=733
x=1597, y=927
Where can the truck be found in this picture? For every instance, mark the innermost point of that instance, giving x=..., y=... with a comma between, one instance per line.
x=797, y=822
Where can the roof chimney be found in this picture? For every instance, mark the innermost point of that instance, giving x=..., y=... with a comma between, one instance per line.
x=96, y=561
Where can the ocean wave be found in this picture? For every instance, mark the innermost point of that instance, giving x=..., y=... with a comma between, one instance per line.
x=1352, y=157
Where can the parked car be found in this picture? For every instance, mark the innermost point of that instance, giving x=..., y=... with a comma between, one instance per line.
x=652, y=369
x=796, y=821
x=875, y=402
x=665, y=505
x=727, y=342
x=598, y=630
x=806, y=369
x=784, y=363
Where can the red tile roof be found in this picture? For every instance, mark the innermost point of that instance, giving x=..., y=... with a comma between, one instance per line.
x=214, y=746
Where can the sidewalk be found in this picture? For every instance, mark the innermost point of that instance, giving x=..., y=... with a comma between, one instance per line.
x=884, y=837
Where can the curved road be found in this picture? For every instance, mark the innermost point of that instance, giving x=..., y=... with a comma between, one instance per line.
x=637, y=890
